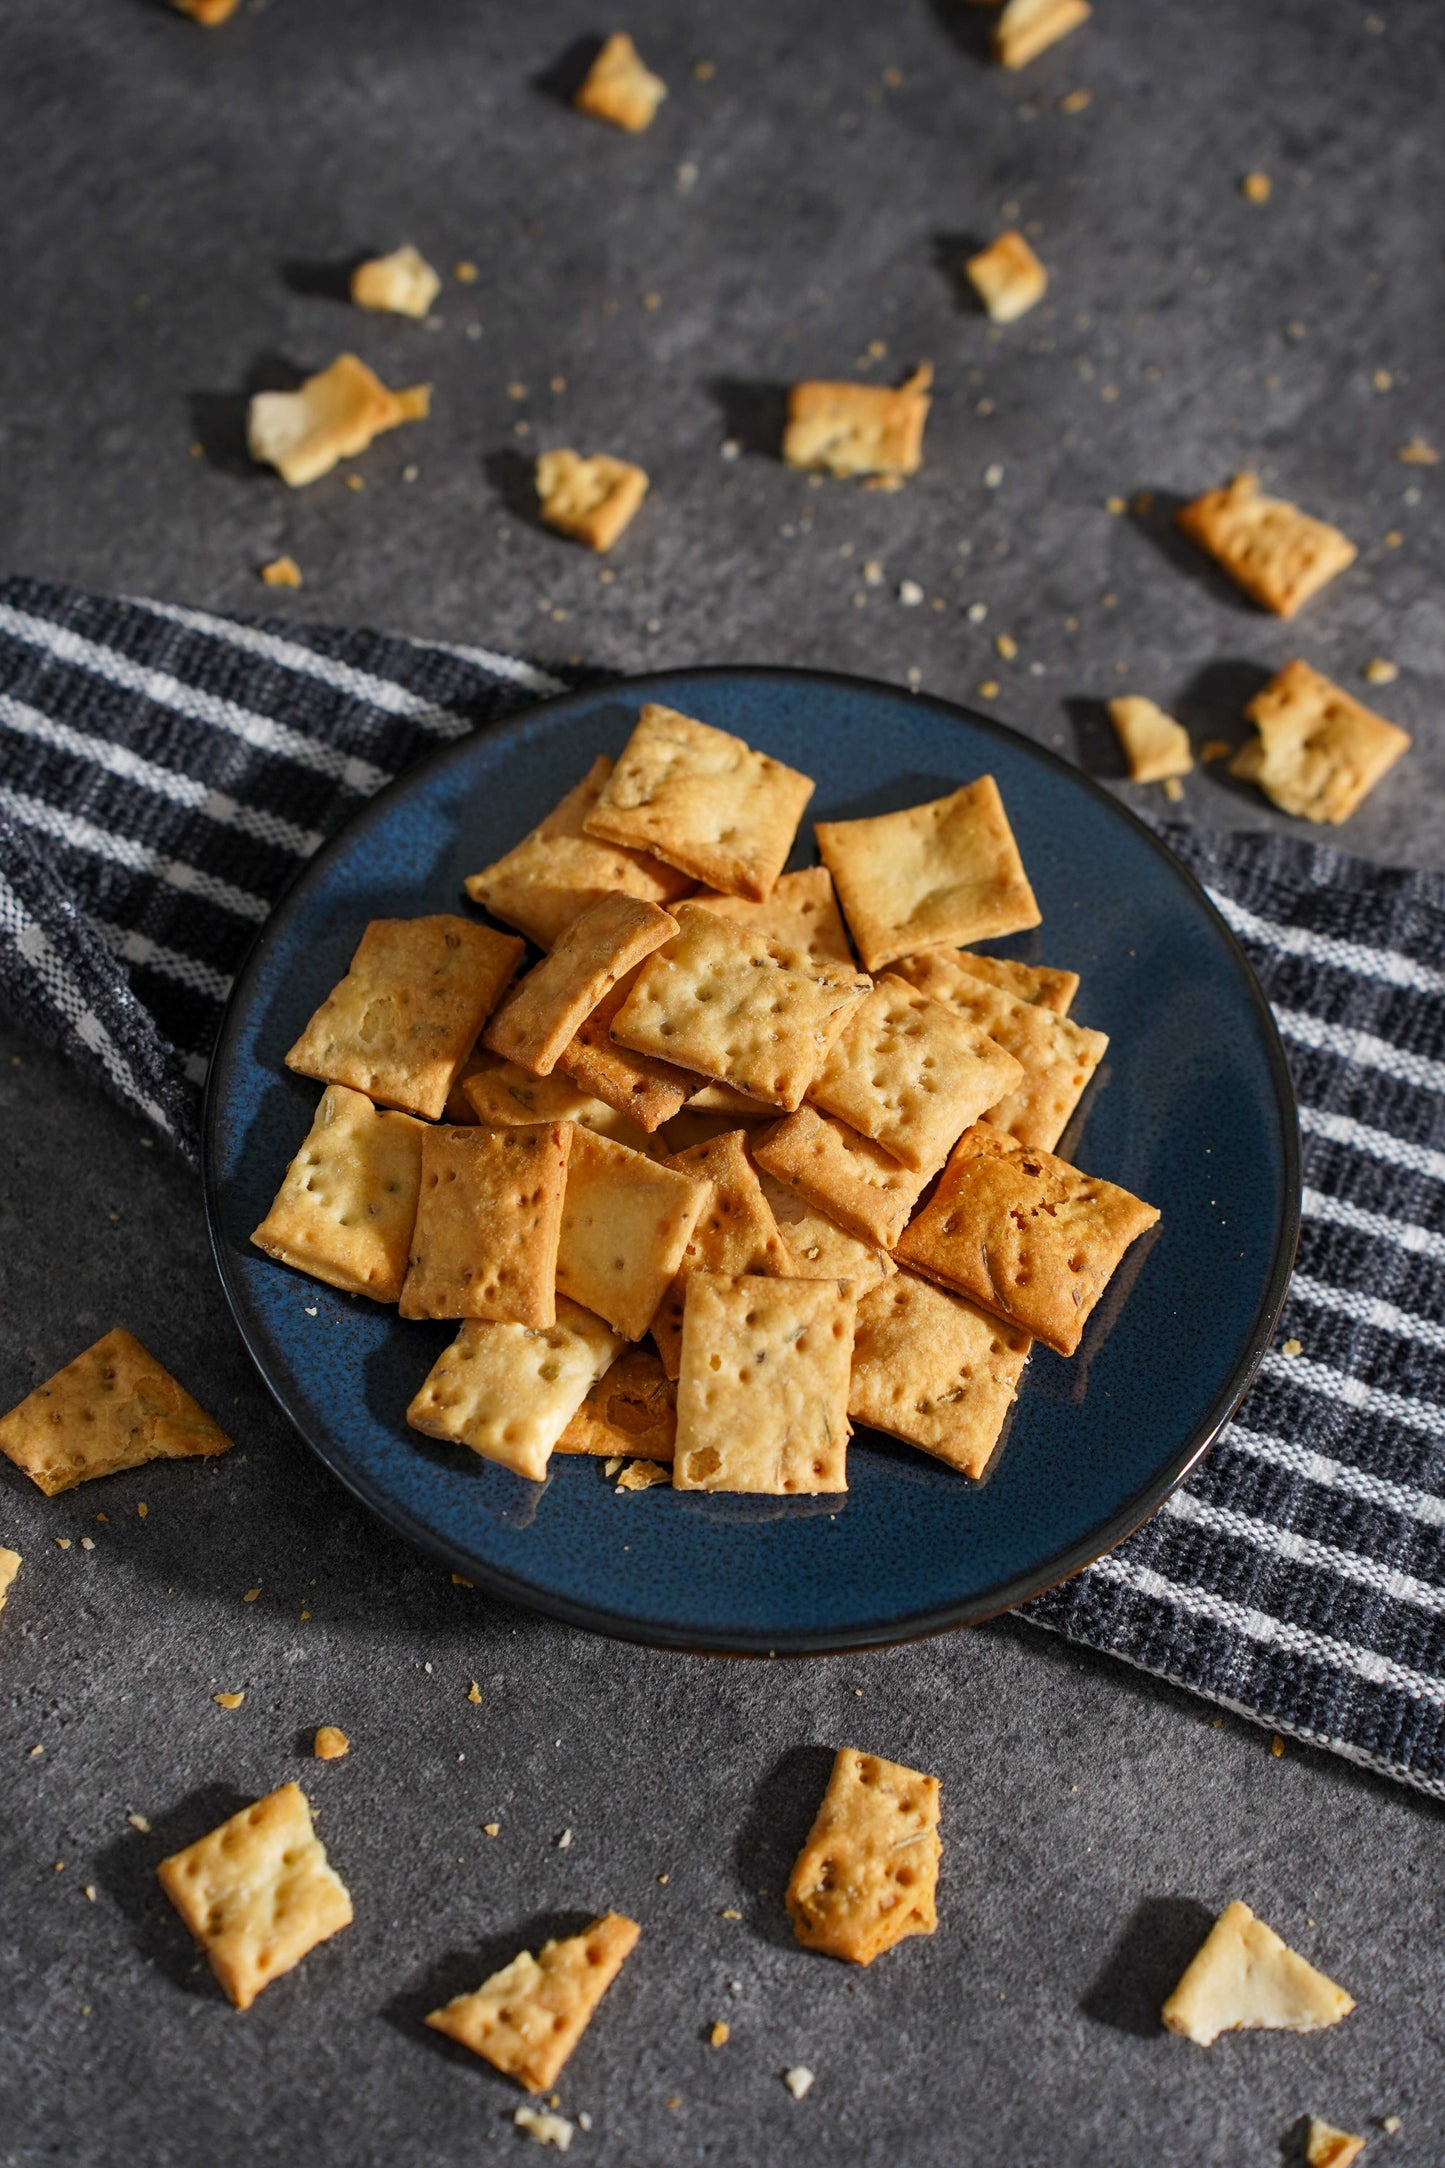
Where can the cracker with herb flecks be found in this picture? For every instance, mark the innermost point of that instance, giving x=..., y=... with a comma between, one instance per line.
x=1155, y=746
x=625, y=1228
x=1042, y=983
x=331, y=416
x=509, y=1391
x=867, y=1875
x=849, y=1177
x=346, y=1208
x=1269, y=547
x=850, y=429
x=912, y=1074
x=762, y=1398
x=526, y=2019
x=1007, y=277
x=506, y=1097
x=408, y=1012
x=1243, y=1978
x=544, y=1011
x=650, y=1092
x=631, y=1409
x=488, y=1221
x=933, y=1369
x=819, y=1248
x=113, y=1407
x=592, y=499
x=620, y=88
x=1319, y=751
x=735, y=1232
x=800, y=918
x=1027, y=28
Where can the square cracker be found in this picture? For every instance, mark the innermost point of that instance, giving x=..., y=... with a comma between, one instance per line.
x=1058, y=1056
x=850, y=1178
x=551, y=876
x=718, y=1000
x=544, y=1011
x=488, y=1221
x=912, y=1074
x=1023, y=1234
x=935, y=875
x=506, y=1097
x=867, y=1875
x=594, y=499
x=1269, y=547
x=625, y=1227
x=703, y=801
x=819, y=1248
x=762, y=1400
x=800, y=918
x=346, y=1208
x=257, y=1893
x=619, y=87
x=1027, y=28
x=1043, y=983
x=1007, y=277
x=526, y=2019
x=631, y=1409
x=113, y=1407
x=1319, y=751
x=1155, y=746
x=858, y=428
x=509, y=1391
x=649, y=1092
x=407, y=1014
x=935, y=1370
x=735, y=1232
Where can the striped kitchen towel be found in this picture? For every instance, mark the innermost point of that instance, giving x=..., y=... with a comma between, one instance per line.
x=164, y=772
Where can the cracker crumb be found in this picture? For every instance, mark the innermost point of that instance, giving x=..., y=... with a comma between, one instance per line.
x=1294, y=1347
x=687, y=175
x=910, y=594
x=62, y=1543
x=976, y=612
x=1257, y=187
x=37, y=1751
x=1382, y=380
x=1006, y=646
x=1117, y=505
x=584, y=2120
x=731, y=449
x=730, y=1914
x=993, y=476
x=988, y=690
x=465, y=273
x=1393, y=539
x=564, y=1840
x=491, y=1829
x=1075, y=101
x=1173, y=789
x=720, y=2034
x=281, y=572
x=1215, y=749
x=1378, y=671
x=704, y=71
x=1418, y=453
x=89, y=1893
x=1276, y=1747
x=1391, y=2123
x=229, y=1701
x=142, y=1509
x=330, y=1743
x=799, y=2080
x=459, y=1580
x=138, y=1821
x=544, y=2127
x=251, y=1593
x=872, y=573
x=87, y=1543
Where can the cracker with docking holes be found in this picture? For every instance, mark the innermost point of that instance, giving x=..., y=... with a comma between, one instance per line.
x=1269, y=547
x=620, y=88
x=541, y=1016
x=506, y=1097
x=1154, y=745
x=114, y=1407
x=800, y=918
x=933, y=1369
x=1319, y=752
x=650, y=1092
x=735, y=1232
x=631, y=1409
x=402, y=283
x=849, y=429
x=592, y=499
x=488, y=1221
x=1027, y=28
x=819, y=1248
x=332, y=416
x=912, y=1074
x=626, y=1222
x=346, y=1208
x=850, y=1178
x=1007, y=277
x=1043, y=983
x=762, y=1397
x=867, y=1875
x=508, y=1392
x=526, y=2019
x=1244, y=1978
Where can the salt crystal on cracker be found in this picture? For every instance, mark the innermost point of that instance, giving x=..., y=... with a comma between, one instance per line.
x=867, y=1875
x=526, y=2019
x=113, y=1407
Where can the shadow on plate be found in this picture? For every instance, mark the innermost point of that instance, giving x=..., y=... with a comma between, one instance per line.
x=778, y=1818
x=1145, y=1964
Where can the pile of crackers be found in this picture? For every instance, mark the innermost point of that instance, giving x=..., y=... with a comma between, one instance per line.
x=699, y=1191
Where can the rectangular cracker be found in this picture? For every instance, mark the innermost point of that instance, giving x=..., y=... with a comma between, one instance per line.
x=544, y=1012
x=625, y=1228
x=867, y=1875
x=800, y=918
x=704, y=801
x=912, y=1074
x=489, y=1218
x=346, y=1207
x=935, y=1370
x=592, y=499
x=934, y=875
x=408, y=1012
x=526, y=2019
x=1319, y=751
x=649, y=1092
x=113, y=1407
x=735, y=1232
x=507, y=1097
x=1269, y=547
x=1154, y=745
x=509, y=1391
x=258, y=1893
x=1027, y=28
x=718, y=1000
x=557, y=870
x=852, y=429
x=819, y=1248
x=1043, y=983
x=1058, y=1056
x=850, y=1178
x=762, y=1399
x=1024, y=1234
x=631, y=1409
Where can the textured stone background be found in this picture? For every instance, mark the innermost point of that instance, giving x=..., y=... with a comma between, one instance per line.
x=177, y=206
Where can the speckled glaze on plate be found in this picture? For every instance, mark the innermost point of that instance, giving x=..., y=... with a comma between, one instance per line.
x=1192, y=1110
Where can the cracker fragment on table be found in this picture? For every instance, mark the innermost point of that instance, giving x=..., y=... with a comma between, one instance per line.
x=1319, y=752
x=1007, y=277
x=258, y=1893
x=544, y=1011
x=346, y=1207
x=1244, y=1978
x=800, y=917
x=1327, y=2147
x=281, y=572
x=1278, y=554
x=1154, y=744
x=1027, y=28
x=818, y=1247
x=620, y=88
x=912, y=1074
x=526, y=2019
x=507, y=1392
x=626, y=1222
x=506, y=1097
x=113, y=1407
x=762, y=1396
x=10, y=1564
x=210, y=13
x=592, y=499
x=402, y=283
x=1041, y=983
x=330, y=1743
x=850, y=1178
x=632, y=1409
x=488, y=1223
x=644, y=1475
x=931, y=1368
x=648, y=1091
x=734, y=1232
x=332, y=416
x=849, y=429
x=867, y=1875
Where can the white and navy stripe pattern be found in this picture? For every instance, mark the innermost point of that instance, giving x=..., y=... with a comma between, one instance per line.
x=163, y=773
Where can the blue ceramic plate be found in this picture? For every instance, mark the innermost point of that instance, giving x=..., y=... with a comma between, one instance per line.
x=1192, y=1110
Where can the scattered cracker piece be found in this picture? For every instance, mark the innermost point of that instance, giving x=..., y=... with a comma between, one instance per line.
x=1024, y=1234
x=591, y=499
x=1243, y=1977
x=1154, y=745
x=619, y=88
x=408, y=1012
x=488, y=1222
x=799, y=2080
x=541, y=1016
x=403, y=283
x=912, y=1074
x=1256, y=187
x=1326, y=2147
x=649, y=1092
x=934, y=875
x=229, y=1701
x=631, y=1409
x=345, y=1211
x=526, y=2019
x=643, y=1474
x=544, y=2128
x=719, y=2033
x=1049, y=987
x=819, y=1248
x=1418, y=453
x=848, y=1177
x=703, y=801
x=508, y=1391
x=507, y=1097
x=868, y=1873
x=330, y=1743
x=1173, y=790
x=762, y=1399
x=1275, y=552
x=474, y=1694
x=209, y=12
x=1378, y=671
x=282, y=572
x=1076, y=101
x=933, y=1369
x=1215, y=749
x=257, y=1893
x=10, y=1564
x=1027, y=27
x=548, y=879
x=734, y=1233
x=853, y=429
x=113, y=1407
x=332, y=416
x=1319, y=752
x=625, y=1227
x=1007, y=277
x=800, y=918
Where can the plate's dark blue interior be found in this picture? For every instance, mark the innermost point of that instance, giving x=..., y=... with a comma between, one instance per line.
x=1192, y=1110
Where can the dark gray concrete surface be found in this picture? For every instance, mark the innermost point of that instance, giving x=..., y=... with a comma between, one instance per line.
x=176, y=206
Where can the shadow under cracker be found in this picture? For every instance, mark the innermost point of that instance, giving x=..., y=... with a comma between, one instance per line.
x=967, y=29
x=1145, y=1965
x=754, y=413
x=323, y=281
x=1100, y=753
x=563, y=77
x=771, y=1835
x=126, y=1871
x=514, y=478
x=950, y=252
x=218, y=418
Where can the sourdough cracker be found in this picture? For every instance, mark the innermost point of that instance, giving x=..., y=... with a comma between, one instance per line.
x=619, y=88
x=403, y=283
x=631, y=1409
x=625, y=1227
x=912, y=1074
x=506, y=1097
x=405, y=1017
x=258, y=1893
x=113, y=1407
x=1041, y=983
x=1269, y=547
x=1027, y=28
x=488, y=1221
x=509, y=1391
x=800, y=918
x=332, y=416
x=734, y=1233
x=867, y=1875
x=818, y=1247
x=1007, y=277
x=1319, y=751
x=762, y=1398
x=649, y=1092
x=848, y=1177
x=704, y=801
x=1057, y=1056
x=1326, y=2147
x=852, y=429
x=526, y=2019
x=543, y=1013
x=345, y=1210
x=1243, y=1977
x=1155, y=746
x=935, y=1370
x=593, y=499
x=10, y=1564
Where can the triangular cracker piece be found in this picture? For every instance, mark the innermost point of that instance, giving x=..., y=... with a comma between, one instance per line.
x=1245, y=1978
x=1027, y=28
x=631, y=1409
x=1154, y=745
x=762, y=1401
x=912, y=1074
x=625, y=1228
x=801, y=916
x=1320, y=751
x=935, y=1370
x=1269, y=547
x=545, y=1010
x=852, y=429
x=509, y=1391
x=526, y=2020
x=333, y=415
x=868, y=1874
x=734, y=1232
x=346, y=1209
x=619, y=87
x=489, y=1218
x=1326, y=2147
x=113, y=1407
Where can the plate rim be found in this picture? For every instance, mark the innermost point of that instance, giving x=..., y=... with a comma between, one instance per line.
x=595, y=1618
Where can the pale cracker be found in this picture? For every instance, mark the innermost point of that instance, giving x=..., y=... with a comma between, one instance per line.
x=867, y=1875
x=1007, y=277
x=526, y=2019
x=10, y=1564
x=1269, y=547
x=113, y=1407
x=618, y=87
x=704, y=801
x=818, y=1247
x=934, y=875
x=507, y=1097
x=850, y=1178
x=257, y=1893
x=735, y=1232
x=509, y=1391
x=650, y=1092
x=403, y=283
x=488, y=1221
x=852, y=429
x=1319, y=752
x=631, y=1409
x=935, y=1370
x=1155, y=746
x=1027, y=28
x=762, y=1399
x=591, y=499
x=1023, y=1234
x=625, y=1227
x=1327, y=2147
x=544, y=1011
x=800, y=918
x=1043, y=983
x=912, y=1074
x=333, y=415
x=345, y=1210
x=1244, y=1978
x=405, y=1017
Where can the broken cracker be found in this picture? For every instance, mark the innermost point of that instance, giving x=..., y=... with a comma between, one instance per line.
x=113, y=1407
x=1319, y=751
x=852, y=429
x=592, y=499
x=526, y=2019
x=625, y=1228
x=210, y=13
x=346, y=1208
x=543, y=1013
x=933, y=1369
x=488, y=1221
x=849, y=1177
x=1326, y=2147
x=506, y=1097
x=1275, y=552
x=1027, y=28
x=631, y=1409
x=402, y=283
x=650, y=1092
x=1155, y=746
x=800, y=917
x=1007, y=277
x=867, y=1875
x=762, y=1398
x=818, y=1247
x=10, y=1564
x=643, y=1475
x=509, y=1391
x=912, y=1074
x=619, y=88
x=332, y=416
x=1041, y=983
x=1243, y=1978
x=735, y=1232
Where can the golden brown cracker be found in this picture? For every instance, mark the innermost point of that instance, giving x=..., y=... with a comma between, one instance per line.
x=762, y=1398
x=912, y=1074
x=113, y=1407
x=592, y=499
x=625, y=1228
x=735, y=1232
x=619, y=88
x=10, y=1564
x=649, y=1092
x=800, y=918
x=1042, y=983
x=544, y=1012
x=509, y=1391
x=631, y=1409
x=850, y=429
x=1269, y=547
x=1155, y=746
x=506, y=1097
x=1007, y=277
x=488, y=1222
x=345, y=1210
x=1319, y=752
x=403, y=283
x=867, y=1875
x=850, y=1178
x=1027, y=28
x=526, y=2019
x=331, y=416
x=818, y=1248
x=1327, y=2147
x=933, y=1369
